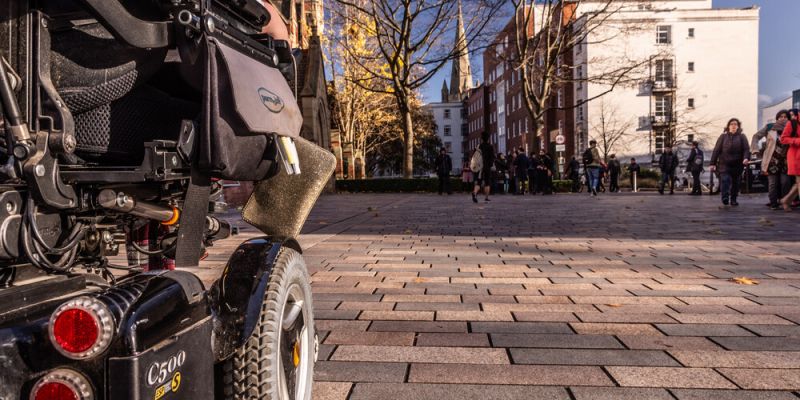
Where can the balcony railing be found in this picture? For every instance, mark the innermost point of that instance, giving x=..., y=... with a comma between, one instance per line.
x=661, y=120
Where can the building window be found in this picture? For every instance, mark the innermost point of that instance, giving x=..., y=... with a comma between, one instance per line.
x=691, y=66
x=691, y=33
x=447, y=130
x=560, y=98
x=663, y=34
x=580, y=113
x=663, y=107
x=664, y=72
x=691, y=103
x=447, y=113
x=561, y=127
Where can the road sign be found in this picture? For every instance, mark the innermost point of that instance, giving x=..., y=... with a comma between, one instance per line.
x=561, y=147
x=560, y=139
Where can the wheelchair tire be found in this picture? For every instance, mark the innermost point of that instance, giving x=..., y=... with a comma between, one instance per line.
x=277, y=361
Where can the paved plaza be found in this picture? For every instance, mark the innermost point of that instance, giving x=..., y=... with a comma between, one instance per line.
x=626, y=296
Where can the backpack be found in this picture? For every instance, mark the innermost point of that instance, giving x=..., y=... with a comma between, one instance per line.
x=588, y=158
x=476, y=162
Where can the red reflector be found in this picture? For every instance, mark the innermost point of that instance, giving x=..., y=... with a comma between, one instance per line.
x=55, y=391
x=75, y=330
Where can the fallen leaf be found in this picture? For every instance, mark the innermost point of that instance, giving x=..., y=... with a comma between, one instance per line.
x=407, y=231
x=744, y=281
x=370, y=208
x=715, y=231
x=420, y=280
x=614, y=305
x=765, y=222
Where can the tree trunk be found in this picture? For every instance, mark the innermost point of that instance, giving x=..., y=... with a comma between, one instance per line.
x=408, y=140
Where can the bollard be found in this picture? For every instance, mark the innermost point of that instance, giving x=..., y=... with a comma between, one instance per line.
x=635, y=182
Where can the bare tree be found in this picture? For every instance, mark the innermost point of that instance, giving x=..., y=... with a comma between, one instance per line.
x=544, y=37
x=612, y=130
x=412, y=41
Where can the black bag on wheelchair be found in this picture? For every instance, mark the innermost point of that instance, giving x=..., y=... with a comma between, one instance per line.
x=241, y=113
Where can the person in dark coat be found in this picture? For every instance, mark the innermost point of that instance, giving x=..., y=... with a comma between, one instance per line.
x=633, y=171
x=573, y=172
x=614, y=169
x=773, y=160
x=521, y=165
x=668, y=164
x=694, y=165
x=444, y=164
x=731, y=155
x=501, y=164
x=534, y=182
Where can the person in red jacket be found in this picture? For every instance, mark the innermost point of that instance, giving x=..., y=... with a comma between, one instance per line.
x=790, y=138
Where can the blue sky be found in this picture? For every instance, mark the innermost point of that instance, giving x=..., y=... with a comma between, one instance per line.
x=779, y=60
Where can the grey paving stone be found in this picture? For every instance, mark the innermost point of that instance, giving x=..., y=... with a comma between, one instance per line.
x=738, y=359
x=555, y=341
x=703, y=330
x=370, y=338
x=520, y=327
x=449, y=355
x=619, y=393
x=359, y=371
x=416, y=391
x=652, y=358
x=552, y=375
x=330, y=390
x=637, y=342
x=759, y=343
x=706, y=394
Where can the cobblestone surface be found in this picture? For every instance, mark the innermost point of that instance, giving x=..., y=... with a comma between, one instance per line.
x=619, y=297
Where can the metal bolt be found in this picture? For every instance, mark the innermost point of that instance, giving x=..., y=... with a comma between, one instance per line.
x=107, y=238
x=174, y=161
x=210, y=27
x=11, y=208
x=39, y=170
x=44, y=22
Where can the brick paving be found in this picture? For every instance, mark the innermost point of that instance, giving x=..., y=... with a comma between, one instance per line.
x=561, y=297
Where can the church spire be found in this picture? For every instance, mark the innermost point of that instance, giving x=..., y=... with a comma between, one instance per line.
x=461, y=73
x=445, y=92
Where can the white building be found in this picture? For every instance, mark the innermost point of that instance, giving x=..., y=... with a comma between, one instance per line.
x=697, y=67
x=768, y=112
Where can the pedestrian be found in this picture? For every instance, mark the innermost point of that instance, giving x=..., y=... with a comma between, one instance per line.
x=773, y=161
x=533, y=176
x=790, y=138
x=731, y=155
x=593, y=164
x=574, y=174
x=633, y=170
x=444, y=164
x=694, y=165
x=521, y=165
x=483, y=162
x=614, y=169
x=668, y=163
x=501, y=164
x=546, y=170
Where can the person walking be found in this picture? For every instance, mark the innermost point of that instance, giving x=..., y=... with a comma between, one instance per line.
x=444, y=164
x=790, y=138
x=614, y=169
x=574, y=174
x=694, y=165
x=501, y=164
x=731, y=155
x=547, y=170
x=533, y=174
x=521, y=165
x=773, y=161
x=633, y=171
x=593, y=164
x=668, y=164
x=485, y=152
